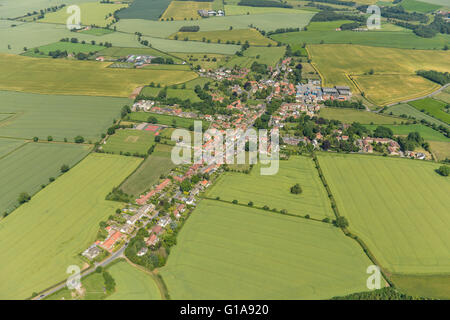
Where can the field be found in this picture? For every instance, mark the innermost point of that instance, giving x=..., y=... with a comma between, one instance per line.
x=440, y=149
x=165, y=119
x=185, y=10
x=233, y=252
x=437, y=287
x=119, y=52
x=132, y=284
x=419, y=6
x=144, y=9
x=443, y=95
x=393, y=77
x=27, y=166
x=385, y=201
x=205, y=61
x=129, y=141
x=265, y=55
x=67, y=212
x=9, y=145
x=79, y=77
x=432, y=107
x=97, y=31
x=426, y=132
x=35, y=115
x=347, y=115
x=64, y=46
x=386, y=37
x=149, y=172
x=253, y=36
x=406, y=109
x=232, y=10
x=90, y=13
x=266, y=22
x=172, y=93
x=274, y=190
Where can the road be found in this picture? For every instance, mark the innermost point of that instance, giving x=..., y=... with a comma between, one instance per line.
x=104, y=263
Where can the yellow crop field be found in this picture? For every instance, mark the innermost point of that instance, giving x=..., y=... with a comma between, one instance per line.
x=185, y=10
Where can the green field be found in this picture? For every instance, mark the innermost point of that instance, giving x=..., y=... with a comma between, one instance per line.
x=205, y=61
x=182, y=94
x=144, y=9
x=27, y=166
x=57, y=224
x=132, y=283
x=398, y=207
x=157, y=164
x=97, y=31
x=437, y=287
x=403, y=38
x=444, y=95
x=120, y=52
x=393, y=71
x=129, y=141
x=233, y=252
x=253, y=37
x=95, y=13
x=432, y=107
x=233, y=10
x=64, y=46
x=403, y=130
x=57, y=76
x=347, y=115
x=35, y=115
x=419, y=6
x=274, y=190
x=264, y=55
x=165, y=119
x=9, y=145
x=406, y=109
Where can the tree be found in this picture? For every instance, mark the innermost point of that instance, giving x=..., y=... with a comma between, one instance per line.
x=341, y=222
x=152, y=119
x=296, y=189
x=79, y=139
x=64, y=168
x=444, y=170
x=35, y=139
x=24, y=197
x=186, y=185
x=250, y=204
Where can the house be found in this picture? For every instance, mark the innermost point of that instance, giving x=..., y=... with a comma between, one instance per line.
x=114, y=237
x=203, y=13
x=92, y=252
x=157, y=230
x=164, y=222
x=142, y=252
x=152, y=240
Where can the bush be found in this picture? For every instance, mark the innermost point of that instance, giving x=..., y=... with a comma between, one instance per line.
x=341, y=222
x=250, y=204
x=64, y=168
x=24, y=197
x=79, y=139
x=234, y=201
x=444, y=171
x=296, y=189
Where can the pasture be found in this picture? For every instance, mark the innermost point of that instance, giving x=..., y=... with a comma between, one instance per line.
x=36, y=115
x=226, y=251
x=385, y=75
x=205, y=61
x=425, y=132
x=167, y=120
x=132, y=283
x=157, y=164
x=9, y=145
x=432, y=107
x=79, y=77
x=347, y=115
x=67, y=212
x=264, y=55
x=144, y=9
x=274, y=190
x=398, y=207
x=27, y=166
x=435, y=286
x=182, y=94
x=129, y=141
x=63, y=46
x=185, y=10
x=419, y=6
x=94, y=13
x=239, y=36
x=233, y=10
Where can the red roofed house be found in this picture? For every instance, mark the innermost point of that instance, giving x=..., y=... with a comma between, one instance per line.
x=113, y=238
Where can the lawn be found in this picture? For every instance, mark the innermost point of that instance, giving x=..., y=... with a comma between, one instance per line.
x=164, y=119
x=35, y=115
x=157, y=164
x=386, y=37
x=63, y=46
x=274, y=190
x=57, y=224
x=393, y=75
x=239, y=36
x=406, y=109
x=226, y=251
x=132, y=283
x=129, y=141
x=182, y=94
x=185, y=10
x=58, y=76
x=27, y=166
x=426, y=132
x=144, y=9
x=398, y=207
x=347, y=115
x=432, y=107
x=95, y=13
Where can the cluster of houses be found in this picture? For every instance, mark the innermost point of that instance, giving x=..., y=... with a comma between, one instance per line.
x=139, y=60
x=224, y=73
x=366, y=145
x=210, y=13
x=314, y=92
